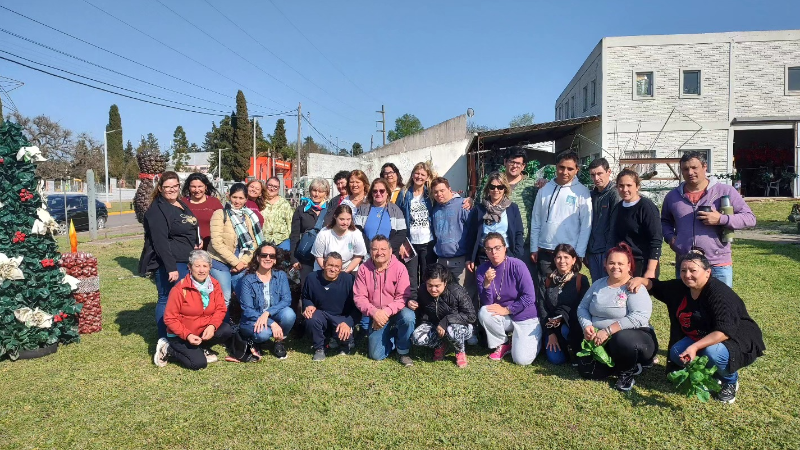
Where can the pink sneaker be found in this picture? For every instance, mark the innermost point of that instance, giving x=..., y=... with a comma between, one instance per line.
x=438, y=352
x=461, y=359
x=500, y=352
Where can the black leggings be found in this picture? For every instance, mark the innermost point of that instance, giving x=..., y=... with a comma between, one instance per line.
x=629, y=347
x=192, y=356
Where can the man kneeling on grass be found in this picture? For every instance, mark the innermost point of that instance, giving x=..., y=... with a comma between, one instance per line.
x=381, y=291
x=328, y=306
x=194, y=317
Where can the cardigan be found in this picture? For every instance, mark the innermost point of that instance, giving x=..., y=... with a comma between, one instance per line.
x=515, y=234
x=170, y=234
x=717, y=308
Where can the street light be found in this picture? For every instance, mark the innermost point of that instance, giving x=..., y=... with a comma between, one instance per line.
x=105, y=157
x=255, y=124
x=219, y=166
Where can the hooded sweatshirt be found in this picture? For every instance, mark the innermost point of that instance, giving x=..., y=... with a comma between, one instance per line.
x=388, y=290
x=603, y=203
x=561, y=215
x=450, y=226
x=679, y=220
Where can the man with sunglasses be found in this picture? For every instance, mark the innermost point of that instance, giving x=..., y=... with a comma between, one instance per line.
x=328, y=306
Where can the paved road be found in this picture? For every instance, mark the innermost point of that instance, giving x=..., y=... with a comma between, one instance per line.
x=117, y=225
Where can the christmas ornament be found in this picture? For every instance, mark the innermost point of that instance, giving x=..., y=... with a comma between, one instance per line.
x=9, y=268
x=44, y=223
x=34, y=317
x=18, y=237
x=30, y=154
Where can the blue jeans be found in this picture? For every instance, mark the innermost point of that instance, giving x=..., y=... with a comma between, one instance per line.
x=285, y=245
x=285, y=319
x=396, y=332
x=227, y=280
x=722, y=273
x=718, y=355
x=596, y=264
x=558, y=357
x=163, y=286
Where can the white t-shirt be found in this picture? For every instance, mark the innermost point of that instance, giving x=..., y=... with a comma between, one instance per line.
x=349, y=245
x=419, y=229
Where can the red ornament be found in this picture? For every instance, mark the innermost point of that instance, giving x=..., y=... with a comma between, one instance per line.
x=25, y=195
x=18, y=237
x=2, y=160
x=59, y=317
x=48, y=263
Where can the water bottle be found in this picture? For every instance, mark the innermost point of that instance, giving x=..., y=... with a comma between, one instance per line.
x=727, y=209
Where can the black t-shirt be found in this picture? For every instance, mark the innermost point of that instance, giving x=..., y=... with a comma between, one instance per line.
x=640, y=227
x=694, y=318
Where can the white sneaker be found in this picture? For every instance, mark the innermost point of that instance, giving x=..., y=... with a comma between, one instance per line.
x=161, y=357
x=211, y=356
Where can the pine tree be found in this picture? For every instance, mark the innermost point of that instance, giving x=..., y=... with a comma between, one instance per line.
x=219, y=137
x=116, y=158
x=356, y=149
x=242, y=141
x=180, y=149
x=36, y=307
x=279, y=142
x=129, y=163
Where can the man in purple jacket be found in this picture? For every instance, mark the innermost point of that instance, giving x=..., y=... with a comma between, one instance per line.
x=686, y=225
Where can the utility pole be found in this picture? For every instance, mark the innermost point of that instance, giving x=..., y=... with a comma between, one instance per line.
x=371, y=139
x=383, y=124
x=296, y=170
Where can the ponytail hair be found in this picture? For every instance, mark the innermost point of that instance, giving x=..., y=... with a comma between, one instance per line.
x=625, y=249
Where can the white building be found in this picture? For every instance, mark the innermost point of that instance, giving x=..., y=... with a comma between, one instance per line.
x=724, y=94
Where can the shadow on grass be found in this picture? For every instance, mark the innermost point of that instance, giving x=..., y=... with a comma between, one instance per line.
x=776, y=248
x=128, y=263
x=140, y=321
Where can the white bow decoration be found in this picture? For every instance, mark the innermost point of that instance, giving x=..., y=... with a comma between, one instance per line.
x=72, y=281
x=34, y=317
x=45, y=223
x=9, y=268
x=30, y=154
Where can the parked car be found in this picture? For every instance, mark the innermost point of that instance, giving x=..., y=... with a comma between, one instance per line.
x=77, y=211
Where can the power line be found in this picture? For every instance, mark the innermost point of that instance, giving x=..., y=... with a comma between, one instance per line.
x=321, y=135
x=320, y=52
x=276, y=56
x=247, y=60
x=182, y=54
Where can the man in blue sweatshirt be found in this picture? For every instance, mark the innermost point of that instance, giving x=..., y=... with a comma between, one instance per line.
x=450, y=228
x=328, y=305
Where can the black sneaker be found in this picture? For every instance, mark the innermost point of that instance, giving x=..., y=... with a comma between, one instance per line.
x=728, y=392
x=319, y=355
x=626, y=379
x=406, y=360
x=279, y=350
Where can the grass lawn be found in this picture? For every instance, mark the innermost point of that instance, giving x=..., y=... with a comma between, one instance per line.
x=106, y=393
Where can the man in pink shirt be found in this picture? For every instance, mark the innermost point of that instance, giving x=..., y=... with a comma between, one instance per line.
x=380, y=292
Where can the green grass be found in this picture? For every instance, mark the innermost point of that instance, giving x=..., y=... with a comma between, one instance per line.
x=105, y=392
x=119, y=206
x=772, y=216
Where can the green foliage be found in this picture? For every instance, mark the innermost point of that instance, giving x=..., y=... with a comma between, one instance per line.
x=116, y=156
x=356, y=149
x=597, y=352
x=180, y=149
x=239, y=159
x=42, y=287
x=279, y=142
x=473, y=127
x=405, y=125
x=129, y=173
x=695, y=380
x=521, y=120
x=583, y=176
x=549, y=172
x=220, y=137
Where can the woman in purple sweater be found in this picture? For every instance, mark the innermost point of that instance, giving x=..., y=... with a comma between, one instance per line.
x=508, y=304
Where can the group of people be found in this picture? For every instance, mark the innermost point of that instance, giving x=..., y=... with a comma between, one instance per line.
x=415, y=264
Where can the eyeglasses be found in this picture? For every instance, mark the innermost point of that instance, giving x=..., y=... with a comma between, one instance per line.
x=386, y=174
x=267, y=255
x=174, y=187
x=496, y=187
x=333, y=267
x=515, y=163
x=379, y=191
x=272, y=187
x=494, y=249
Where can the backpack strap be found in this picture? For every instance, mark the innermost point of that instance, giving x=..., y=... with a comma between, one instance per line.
x=320, y=220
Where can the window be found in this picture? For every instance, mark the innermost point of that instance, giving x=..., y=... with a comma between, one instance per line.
x=643, y=84
x=585, y=98
x=642, y=154
x=566, y=109
x=572, y=104
x=705, y=152
x=793, y=80
x=690, y=83
x=594, y=92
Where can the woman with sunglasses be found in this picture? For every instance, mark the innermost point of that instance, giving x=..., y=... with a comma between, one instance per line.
x=201, y=196
x=495, y=213
x=341, y=237
x=170, y=235
x=380, y=216
x=390, y=173
x=277, y=216
x=235, y=234
x=558, y=302
x=256, y=195
x=508, y=300
x=266, y=302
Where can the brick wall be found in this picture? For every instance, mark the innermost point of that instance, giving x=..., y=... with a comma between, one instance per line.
x=759, y=78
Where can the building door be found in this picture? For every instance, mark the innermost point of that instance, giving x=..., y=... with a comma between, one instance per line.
x=766, y=161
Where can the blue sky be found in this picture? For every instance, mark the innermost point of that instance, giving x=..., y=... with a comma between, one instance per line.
x=433, y=59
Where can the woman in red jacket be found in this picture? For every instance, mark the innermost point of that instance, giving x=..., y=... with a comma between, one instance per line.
x=194, y=317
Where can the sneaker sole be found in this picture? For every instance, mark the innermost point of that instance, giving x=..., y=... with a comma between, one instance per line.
x=161, y=350
x=633, y=383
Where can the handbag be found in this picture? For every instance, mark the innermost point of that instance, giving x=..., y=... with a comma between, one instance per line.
x=303, y=250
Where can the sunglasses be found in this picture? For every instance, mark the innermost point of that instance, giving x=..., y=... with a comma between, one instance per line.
x=386, y=174
x=379, y=191
x=267, y=255
x=496, y=187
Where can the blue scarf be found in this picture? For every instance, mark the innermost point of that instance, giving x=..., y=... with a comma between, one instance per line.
x=205, y=288
x=310, y=204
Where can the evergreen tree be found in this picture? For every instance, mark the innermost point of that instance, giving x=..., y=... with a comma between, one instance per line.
x=220, y=137
x=116, y=158
x=36, y=307
x=180, y=149
x=242, y=141
x=279, y=142
x=356, y=149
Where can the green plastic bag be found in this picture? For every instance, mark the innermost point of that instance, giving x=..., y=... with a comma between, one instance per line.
x=695, y=379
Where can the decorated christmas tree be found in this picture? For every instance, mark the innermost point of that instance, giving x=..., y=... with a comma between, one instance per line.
x=37, y=309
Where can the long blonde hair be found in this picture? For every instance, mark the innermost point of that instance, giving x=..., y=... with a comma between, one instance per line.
x=501, y=177
x=428, y=168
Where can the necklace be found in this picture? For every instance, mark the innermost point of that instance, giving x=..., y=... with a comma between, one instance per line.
x=492, y=286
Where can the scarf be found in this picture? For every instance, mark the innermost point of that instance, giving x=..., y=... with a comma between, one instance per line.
x=558, y=284
x=311, y=205
x=205, y=288
x=243, y=235
x=495, y=212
